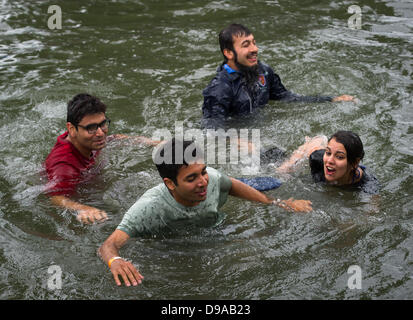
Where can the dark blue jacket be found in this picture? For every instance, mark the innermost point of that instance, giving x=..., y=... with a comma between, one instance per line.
x=228, y=95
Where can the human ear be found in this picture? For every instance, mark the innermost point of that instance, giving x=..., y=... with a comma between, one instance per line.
x=71, y=128
x=169, y=184
x=229, y=54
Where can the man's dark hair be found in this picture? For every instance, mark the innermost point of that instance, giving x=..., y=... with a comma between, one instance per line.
x=352, y=143
x=81, y=105
x=174, y=154
x=226, y=40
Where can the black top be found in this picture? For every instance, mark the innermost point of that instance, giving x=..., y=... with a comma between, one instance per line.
x=368, y=182
x=228, y=95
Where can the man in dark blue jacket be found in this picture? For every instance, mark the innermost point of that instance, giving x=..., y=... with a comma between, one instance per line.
x=243, y=83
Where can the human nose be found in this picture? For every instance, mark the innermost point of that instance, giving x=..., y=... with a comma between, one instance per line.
x=254, y=48
x=99, y=132
x=329, y=158
x=203, y=181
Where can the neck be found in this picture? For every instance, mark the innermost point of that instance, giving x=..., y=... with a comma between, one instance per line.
x=232, y=65
x=351, y=177
x=87, y=153
x=180, y=200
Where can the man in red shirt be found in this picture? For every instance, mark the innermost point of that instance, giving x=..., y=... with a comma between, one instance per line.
x=75, y=151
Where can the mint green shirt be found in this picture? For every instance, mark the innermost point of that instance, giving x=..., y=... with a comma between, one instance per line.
x=157, y=210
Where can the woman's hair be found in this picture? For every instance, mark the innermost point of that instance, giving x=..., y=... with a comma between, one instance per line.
x=352, y=143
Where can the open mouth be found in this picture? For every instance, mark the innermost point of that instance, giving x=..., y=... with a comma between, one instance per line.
x=252, y=57
x=329, y=170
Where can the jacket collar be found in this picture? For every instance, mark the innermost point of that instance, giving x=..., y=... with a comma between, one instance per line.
x=236, y=74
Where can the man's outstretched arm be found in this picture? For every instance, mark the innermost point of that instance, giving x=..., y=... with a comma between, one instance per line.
x=109, y=252
x=243, y=191
x=279, y=92
x=85, y=214
x=137, y=139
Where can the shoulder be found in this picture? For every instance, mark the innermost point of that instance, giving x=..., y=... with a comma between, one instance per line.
x=61, y=149
x=369, y=182
x=222, y=76
x=220, y=90
x=152, y=195
x=214, y=174
x=146, y=204
x=142, y=213
x=62, y=160
x=265, y=68
x=216, y=177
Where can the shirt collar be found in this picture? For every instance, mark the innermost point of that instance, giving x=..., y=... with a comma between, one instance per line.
x=229, y=69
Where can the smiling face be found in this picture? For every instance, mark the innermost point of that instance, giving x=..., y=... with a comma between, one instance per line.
x=336, y=166
x=82, y=139
x=246, y=52
x=191, y=187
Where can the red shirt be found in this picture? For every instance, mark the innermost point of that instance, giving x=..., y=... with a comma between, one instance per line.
x=66, y=167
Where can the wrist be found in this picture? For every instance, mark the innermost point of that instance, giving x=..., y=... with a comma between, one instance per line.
x=281, y=203
x=276, y=202
x=113, y=259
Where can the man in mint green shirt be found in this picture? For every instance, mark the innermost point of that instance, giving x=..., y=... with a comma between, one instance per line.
x=191, y=193
x=157, y=210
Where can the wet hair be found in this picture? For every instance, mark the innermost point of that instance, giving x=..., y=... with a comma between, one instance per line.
x=226, y=35
x=81, y=105
x=352, y=143
x=169, y=157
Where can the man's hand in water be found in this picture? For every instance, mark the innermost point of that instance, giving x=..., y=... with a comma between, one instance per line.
x=295, y=205
x=90, y=215
x=344, y=97
x=86, y=214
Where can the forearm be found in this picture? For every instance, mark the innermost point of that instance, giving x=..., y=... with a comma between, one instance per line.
x=120, y=268
x=65, y=202
x=85, y=214
x=246, y=192
x=137, y=139
x=110, y=248
x=293, y=97
x=107, y=251
x=243, y=191
x=279, y=92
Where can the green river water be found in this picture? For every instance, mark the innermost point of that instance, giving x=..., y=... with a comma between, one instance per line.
x=149, y=62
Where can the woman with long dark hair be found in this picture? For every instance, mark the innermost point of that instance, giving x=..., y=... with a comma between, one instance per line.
x=335, y=161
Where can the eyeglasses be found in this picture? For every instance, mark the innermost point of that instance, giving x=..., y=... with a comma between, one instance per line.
x=93, y=127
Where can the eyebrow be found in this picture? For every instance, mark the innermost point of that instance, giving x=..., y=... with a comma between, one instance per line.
x=327, y=148
x=247, y=41
x=94, y=123
x=194, y=174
